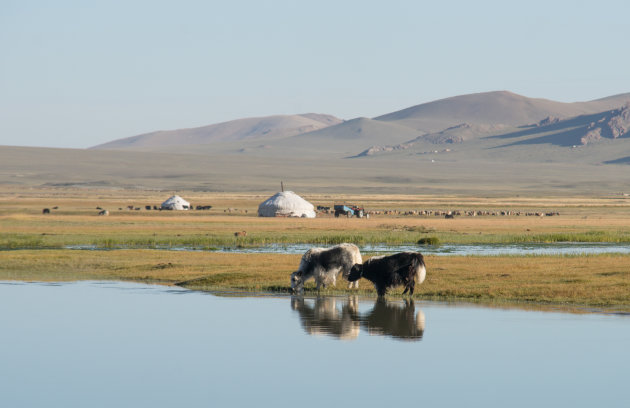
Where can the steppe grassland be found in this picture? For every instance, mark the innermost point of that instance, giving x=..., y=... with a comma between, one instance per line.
x=597, y=281
x=75, y=222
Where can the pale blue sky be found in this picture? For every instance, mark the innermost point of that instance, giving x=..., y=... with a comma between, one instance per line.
x=80, y=73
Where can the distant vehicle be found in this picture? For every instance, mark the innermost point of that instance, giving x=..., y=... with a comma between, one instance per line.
x=349, y=211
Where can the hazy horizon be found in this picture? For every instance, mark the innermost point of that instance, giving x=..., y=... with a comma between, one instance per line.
x=78, y=75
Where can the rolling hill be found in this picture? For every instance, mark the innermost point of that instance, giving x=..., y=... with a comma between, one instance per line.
x=493, y=108
x=458, y=119
x=240, y=130
x=495, y=142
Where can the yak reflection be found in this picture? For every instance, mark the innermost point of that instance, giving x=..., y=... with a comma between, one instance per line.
x=341, y=318
x=322, y=316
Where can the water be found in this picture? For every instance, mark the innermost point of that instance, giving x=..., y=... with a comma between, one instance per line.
x=102, y=344
x=565, y=248
x=568, y=248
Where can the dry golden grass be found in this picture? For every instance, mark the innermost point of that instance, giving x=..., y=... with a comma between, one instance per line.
x=168, y=267
x=595, y=281
x=598, y=281
x=78, y=215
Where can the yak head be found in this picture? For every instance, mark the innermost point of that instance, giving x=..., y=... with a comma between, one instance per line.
x=297, y=283
x=355, y=273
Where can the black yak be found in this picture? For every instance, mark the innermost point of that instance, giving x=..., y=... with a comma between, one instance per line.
x=405, y=268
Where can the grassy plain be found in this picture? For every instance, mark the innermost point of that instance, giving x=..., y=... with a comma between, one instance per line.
x=601, y=282
x=35, y=246
x=75, y=221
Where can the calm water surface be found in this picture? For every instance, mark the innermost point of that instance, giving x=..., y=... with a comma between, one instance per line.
x=562, y=248
x=566, y=248
x=95, y=344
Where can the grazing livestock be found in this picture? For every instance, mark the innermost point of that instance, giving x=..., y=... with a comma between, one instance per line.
x=46, y=211
x=324, y=264
x=405, y=268
x=240, y=234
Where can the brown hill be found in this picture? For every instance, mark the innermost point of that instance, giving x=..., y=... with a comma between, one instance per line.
x=493, y=108
x=599, y=128
x=493, y=142
x=344, y=139
x=450, y=120
x=267, y=128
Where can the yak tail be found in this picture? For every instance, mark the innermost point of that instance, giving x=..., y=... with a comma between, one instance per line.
x=418, y=268
x=355, y=273
x=412, y=267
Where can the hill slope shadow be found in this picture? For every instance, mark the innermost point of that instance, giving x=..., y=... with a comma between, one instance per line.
x=565, y=133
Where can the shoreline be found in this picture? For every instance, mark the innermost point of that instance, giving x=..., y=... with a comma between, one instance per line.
x=595, y=281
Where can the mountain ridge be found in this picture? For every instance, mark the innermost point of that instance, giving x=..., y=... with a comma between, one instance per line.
x=268, y=127
x=487, y=110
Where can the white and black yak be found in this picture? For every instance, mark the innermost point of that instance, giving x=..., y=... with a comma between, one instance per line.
x=324, y=264
x=385, y=272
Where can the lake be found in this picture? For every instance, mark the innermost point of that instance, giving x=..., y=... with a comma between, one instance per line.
x=110, y=344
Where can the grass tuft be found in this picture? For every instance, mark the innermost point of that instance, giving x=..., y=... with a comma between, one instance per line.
x=435, y=241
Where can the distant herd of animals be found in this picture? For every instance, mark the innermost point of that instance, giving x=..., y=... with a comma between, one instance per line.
x=385, y=272
x=102, y=211
x=448, y=213
x=327, y=210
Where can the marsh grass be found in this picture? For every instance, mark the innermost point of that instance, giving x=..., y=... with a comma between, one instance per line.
x=121, y=240
x=24, y=241
x=433, y=241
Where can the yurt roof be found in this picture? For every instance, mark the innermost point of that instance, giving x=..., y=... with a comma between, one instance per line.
x=175, y=199
x=286, y=203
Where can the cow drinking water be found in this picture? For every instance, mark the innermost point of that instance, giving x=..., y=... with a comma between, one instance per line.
x=324, y=264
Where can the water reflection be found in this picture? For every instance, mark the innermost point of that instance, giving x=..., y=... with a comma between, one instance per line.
x=321, y=316
x=341, y=318
x=397, y=320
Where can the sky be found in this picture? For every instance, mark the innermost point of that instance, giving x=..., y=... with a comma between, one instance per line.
x=75, y=74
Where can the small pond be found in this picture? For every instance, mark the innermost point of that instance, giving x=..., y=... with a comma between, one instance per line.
x=108, y=344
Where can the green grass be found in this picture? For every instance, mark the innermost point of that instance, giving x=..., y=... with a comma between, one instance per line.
x=589, y=236
x=434, y=241
x=25, y=241
x=620, y=236
x=14, y=241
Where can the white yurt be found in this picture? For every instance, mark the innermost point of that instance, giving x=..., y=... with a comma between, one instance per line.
x=286, y=204
x=176, y=203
